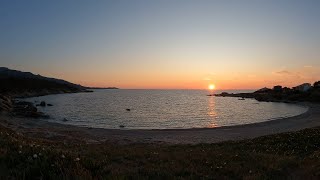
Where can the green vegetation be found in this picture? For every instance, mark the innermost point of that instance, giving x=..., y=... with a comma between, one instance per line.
x=281, y=156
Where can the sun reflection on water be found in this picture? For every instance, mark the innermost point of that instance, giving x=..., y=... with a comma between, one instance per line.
x=212, y=113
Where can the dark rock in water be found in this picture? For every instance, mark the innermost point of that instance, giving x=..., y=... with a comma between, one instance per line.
x=128, y=109
x=49, y=105
x=121, y=126
x=88, y=91
x=42, y=103
x=64, y=119
x=224, y=94
x=27, y=109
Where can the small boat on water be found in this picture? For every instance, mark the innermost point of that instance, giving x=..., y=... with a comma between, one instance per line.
x=210, y=95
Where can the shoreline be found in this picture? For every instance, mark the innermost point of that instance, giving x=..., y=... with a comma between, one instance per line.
x=40, y=128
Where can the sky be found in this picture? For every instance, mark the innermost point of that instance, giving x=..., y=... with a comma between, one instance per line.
x=167, y=44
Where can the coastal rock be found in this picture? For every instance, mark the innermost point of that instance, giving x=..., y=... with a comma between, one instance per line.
x=5, y=103
x=49, y=105
x=224, y=94
x=26, y=109
x=279, y=94
x=43, y=103
x=128, y=109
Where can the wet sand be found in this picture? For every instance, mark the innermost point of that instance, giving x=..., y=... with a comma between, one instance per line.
x=42, y=129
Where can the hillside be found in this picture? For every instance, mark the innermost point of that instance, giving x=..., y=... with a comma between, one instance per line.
x=26, y=84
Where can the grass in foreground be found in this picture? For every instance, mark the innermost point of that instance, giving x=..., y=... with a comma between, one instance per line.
x=282, y=156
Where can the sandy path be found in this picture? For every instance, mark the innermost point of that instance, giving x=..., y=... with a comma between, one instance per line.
x=40, y=128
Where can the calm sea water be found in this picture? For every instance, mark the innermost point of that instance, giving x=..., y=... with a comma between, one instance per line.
x=160, y=109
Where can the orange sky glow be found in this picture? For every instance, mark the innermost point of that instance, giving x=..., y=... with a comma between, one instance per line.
x=165, y=44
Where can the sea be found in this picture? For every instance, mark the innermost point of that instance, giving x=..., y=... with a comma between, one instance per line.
x=160, y=109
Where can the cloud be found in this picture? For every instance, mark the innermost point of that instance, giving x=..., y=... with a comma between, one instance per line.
x=283, y=72
x=209, y=77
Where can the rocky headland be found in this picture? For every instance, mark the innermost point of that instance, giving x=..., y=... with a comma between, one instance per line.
x=18, y=84
x=301, y=93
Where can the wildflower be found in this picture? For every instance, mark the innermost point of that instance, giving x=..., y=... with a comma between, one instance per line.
x=62, y=156
x=35, y=156
x=29, y=158
x=20, y=152
x=77, y=159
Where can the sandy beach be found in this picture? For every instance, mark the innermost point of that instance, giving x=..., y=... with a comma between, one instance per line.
x=55, y=131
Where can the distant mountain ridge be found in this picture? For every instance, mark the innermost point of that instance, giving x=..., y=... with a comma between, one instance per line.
x=26, y=84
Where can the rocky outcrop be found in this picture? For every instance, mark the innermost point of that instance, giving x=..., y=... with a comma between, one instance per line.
x=277, y=95
x=5, y=104
x=43, y=103
x=26, y=109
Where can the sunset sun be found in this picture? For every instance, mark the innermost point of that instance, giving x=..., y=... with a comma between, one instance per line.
x=211, y=86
